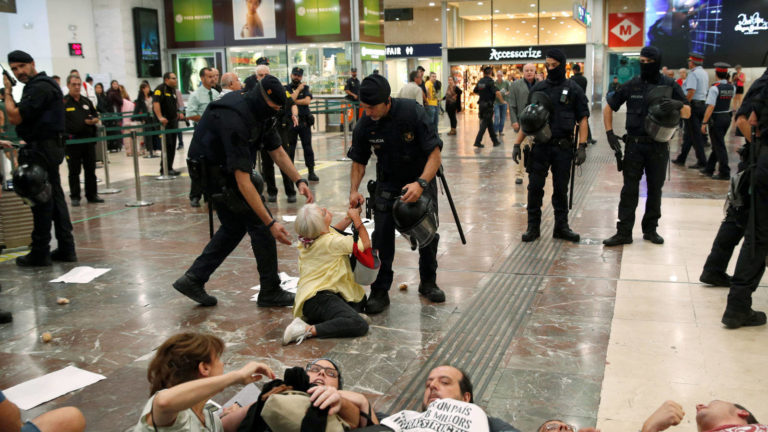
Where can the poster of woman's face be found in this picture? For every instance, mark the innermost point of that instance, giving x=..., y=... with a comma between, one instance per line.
x=254, y=19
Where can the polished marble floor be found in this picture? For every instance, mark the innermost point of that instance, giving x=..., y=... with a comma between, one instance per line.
x=591, y=335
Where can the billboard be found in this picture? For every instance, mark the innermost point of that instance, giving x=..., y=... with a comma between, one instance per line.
x=371, y=18
x=188, y=67
x=254, y=19
x=146, y=37
x=318, y=17
x=193, y=20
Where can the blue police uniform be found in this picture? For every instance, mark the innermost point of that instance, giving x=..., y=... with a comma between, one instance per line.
x=642, y=154
x=486, y=90
x=42, y=127
x=402, y=142
x=721, y=96
x=570, y=106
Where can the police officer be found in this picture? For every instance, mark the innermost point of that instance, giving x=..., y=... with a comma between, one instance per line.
x=408, y=157
x=39, y=120
x=644, y=153
x=568, y=107
x=750, y=267
x=301, y=95
x=166, y=110
x=718, y=117
x=352, y=89
x=80, y=119
x=695, y=85
x=222, y=155
x=487, y=92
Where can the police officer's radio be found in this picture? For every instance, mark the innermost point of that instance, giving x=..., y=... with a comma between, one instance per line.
x=9, y=76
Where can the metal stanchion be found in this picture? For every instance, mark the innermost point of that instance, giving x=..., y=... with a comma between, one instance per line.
x=103, y=143
x=346, y=137
x=164, y=154
x=139, y=202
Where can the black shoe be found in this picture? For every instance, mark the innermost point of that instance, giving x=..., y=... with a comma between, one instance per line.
x=291, y=198
x=62, y=256
x=738, y=319
x=75, y=202
x=716, y=279
x=519, y=181
x=96, y=200
x=5, y=317
x=30, y=260
x=706, y=172
x=173, y=172
x=275, y=298
x=312, y=176
x=479, y=145
x=697, y=166
x=194, y=202
x=432, y=292
x=194, y=289
x=592, y=141
x=497, y=143
x=720, y=176
x=531, y=234
x=272, y=198
x=653, y=237
x=618, y=239
x=566, y=233
x=377, y=302
x=180, y=147
x=678, y=162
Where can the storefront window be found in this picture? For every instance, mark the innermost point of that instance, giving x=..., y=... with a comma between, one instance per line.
x=242, y=61
x=326, y=65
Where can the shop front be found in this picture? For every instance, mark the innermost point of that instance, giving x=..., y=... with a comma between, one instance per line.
x=372, y=58
x=402, y=59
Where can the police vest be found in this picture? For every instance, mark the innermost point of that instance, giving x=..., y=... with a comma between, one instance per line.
x=637, y=106
x=725, y=93
x=563, y=118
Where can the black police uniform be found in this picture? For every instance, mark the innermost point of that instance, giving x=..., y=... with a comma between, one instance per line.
x=75, y=114
x=284, y=127
x=42, y=128
x=751, y=267
x=642, y=154
x=353, y=85
x=570, y=106
x=486, y=90
x=303, y=130
x=402, y=141
x=169, y=108
x=227, y=138
x=719, y=123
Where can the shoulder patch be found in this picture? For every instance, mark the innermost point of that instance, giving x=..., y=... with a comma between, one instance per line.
x=70, y=108
x=158, y=92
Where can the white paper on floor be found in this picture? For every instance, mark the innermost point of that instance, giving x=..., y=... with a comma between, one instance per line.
x=34, y=392
x=287, y=283
x=289, y=218
x=245, y=397
x=82, y=274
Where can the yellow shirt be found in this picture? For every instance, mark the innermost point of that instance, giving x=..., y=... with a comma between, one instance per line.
x=431, y=94
x=324, y=266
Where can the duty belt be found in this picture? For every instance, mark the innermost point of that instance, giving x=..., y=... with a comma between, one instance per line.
x=636, y=139
x=565, y=143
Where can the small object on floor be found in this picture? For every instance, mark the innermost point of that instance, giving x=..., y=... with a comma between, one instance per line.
x=272, y=198
x=62, y=301
x=75, y=202
x=403, y=286
x=296, y=332
x=653, y=237
x=5, y=317
x=46, y=337
x=291, y=198
x=715, y=279
x=519, y=181
x=62, y=256
x=194, y=202
x=96, y=200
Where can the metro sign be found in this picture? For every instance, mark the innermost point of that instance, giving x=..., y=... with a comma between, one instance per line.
x=625, y=29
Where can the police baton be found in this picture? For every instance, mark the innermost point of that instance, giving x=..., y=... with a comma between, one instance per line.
x=753, y=151
x=450, y=202
x=573, y=165
x=619, y=156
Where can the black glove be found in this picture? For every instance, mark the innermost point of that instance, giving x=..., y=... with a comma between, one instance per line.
x=668, y=104
x=613, y=140
x=581, y=154
x=516, y=153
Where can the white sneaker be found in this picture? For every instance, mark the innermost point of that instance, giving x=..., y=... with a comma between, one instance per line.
x=296, y=331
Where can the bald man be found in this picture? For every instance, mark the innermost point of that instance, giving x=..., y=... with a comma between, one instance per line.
x=518, y=99
x=230, y=82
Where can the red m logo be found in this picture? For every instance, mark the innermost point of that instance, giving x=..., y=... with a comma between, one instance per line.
x=625, y=30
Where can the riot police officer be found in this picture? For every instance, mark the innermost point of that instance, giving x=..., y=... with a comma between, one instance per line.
x=221, y=157
x=655, y=104
x=301, y=95
x=718, y=117
x=39, y=120
x=487, y=92
x=565, y=106
x=408, y=157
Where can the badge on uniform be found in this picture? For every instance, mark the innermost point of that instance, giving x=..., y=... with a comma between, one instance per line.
x=85, y=107
x=408, y=136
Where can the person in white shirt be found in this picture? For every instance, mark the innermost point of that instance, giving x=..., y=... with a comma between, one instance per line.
x=230, y=82
x=412, y=90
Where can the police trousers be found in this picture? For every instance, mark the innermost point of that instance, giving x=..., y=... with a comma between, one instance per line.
x=642, y=155
x=303, y=131
x=170, y=146
x=750, y=268
x=81, y=155
x=486, y=123
x=692, y=136
x=268, y=165
x=728, y=237
x=384, y=240
x=542, y=158
x=333, y=317
x=225, y=240
x=49, y=154
x=719, y=127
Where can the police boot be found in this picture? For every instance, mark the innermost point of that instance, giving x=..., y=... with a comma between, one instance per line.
x=377, y=302
x=719, y=279
x=653, y=237
x=618, y=239
x=734, y=320
x=312, y=176
x=566, y=233
x=191, y=287
x=63, y=255
x=34, y=259
x=274, y=298
x=432, y=292
x=531, y=234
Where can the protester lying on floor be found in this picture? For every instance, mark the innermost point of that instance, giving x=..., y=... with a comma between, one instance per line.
x=67, y=419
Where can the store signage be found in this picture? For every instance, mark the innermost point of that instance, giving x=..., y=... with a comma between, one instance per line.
x=371, y=18
x=530, y=53
x=751, y=25
x=511, y=54
x=76, y=49
x=581, y=15
x=415, y=50
x=318, y=17
x=193, y=20
x=625, y=29
x=372, y=52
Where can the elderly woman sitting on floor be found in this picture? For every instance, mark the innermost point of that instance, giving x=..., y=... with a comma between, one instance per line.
x=328, y=298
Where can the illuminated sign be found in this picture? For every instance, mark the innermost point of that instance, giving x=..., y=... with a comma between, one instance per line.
x=530, y=53
x=414, y=50
x=372, y=52
x=76, y=49
x=751, y=25
x=581, y=15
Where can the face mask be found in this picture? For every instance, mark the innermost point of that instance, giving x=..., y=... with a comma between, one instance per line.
x=557, y=74
x=649, y=72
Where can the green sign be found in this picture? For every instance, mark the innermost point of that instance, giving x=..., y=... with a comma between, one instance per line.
x=318, y=17
x=373, y=52
x=371, y=18
x=193, y=20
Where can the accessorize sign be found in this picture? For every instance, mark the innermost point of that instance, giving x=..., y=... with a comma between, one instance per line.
x=512, y=54
x=318, y=17
x=193, y=20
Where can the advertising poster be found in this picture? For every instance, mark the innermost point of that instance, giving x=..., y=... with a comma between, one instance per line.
x=371, y=18
x=253, y=19
x=8, y=6
x=187, y=68
x=193, y=20
x=318, y=17
x=147, y=42
x=735, y=32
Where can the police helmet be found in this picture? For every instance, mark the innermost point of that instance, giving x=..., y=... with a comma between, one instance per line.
x=416, y=221
x=30, y=181
x=534, y=120
x=661, y=124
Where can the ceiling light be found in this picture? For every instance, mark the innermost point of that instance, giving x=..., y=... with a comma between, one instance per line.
x=496, y=11
x=437, y=19
x=566, y=14
x=448, y=9
x=554, y=17
x=527, y=34
x=562, y=22
x=523, y=21
x=431, y=3
x=531, y=14
x=507, y=28
x=543, y=12
x=533, y=5
x=479, y=3
x=517, y=31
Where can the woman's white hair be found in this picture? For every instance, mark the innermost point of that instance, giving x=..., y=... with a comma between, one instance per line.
x=310, y=222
